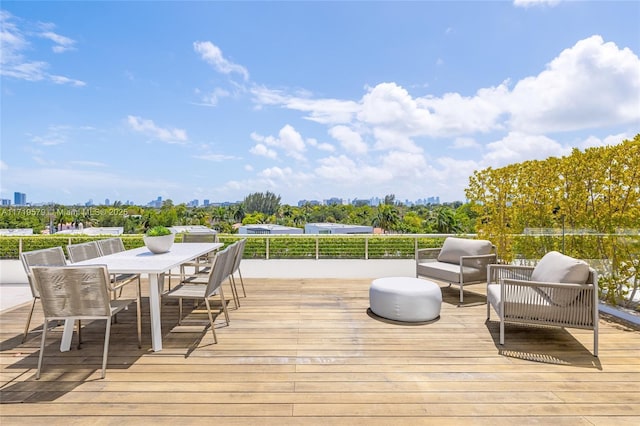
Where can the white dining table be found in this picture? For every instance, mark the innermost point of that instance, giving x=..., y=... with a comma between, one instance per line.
x=141, y=261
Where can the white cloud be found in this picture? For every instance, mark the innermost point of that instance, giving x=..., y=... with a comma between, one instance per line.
x=322, y=146
x=350, y=140
x=350, y=174
x=149, y=128
x=517, y=147
x=394, y=139
x=325, y=111
x=589, y=85
x=391, y=105
x=288, y=140
x=592, y=84
x=60, y=79
x=465, y=143
x=212, y=54
x=85, y=163
x=291, y=142
x=212, y=98
x=14, y=42
x=63, y=43
x=404, y=165
x=217, y=158
x=533, y=3
x=262, y=150
x=276, y=173
x=55, y=135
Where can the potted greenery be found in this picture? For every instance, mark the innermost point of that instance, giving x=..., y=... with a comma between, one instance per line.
x=158, y=239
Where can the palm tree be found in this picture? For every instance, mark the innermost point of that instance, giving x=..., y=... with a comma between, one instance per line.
x=387, y=217
x=443, y=219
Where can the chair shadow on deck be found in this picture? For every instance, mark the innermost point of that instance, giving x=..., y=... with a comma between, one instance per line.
x=451, y=296
x=63, y=372
x=544, y=344
x=184, y=339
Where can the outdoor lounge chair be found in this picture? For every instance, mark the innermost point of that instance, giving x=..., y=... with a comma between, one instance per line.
x=460, y=262
x=76, y=293
x=559, y=291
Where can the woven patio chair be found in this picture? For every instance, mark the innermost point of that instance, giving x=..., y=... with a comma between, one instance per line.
x=559, y=291
x=77, y=293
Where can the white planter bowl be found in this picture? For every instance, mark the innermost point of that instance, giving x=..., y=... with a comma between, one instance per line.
x=160, y=244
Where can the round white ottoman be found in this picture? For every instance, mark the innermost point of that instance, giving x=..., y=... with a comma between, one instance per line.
x=405, y=299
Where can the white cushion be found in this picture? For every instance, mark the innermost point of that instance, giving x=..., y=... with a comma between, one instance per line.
x=453, y=248
x=556, y=267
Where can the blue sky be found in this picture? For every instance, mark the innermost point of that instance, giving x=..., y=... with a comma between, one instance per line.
x=309, y=100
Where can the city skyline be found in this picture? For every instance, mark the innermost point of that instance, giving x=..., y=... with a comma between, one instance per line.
x=157, y=202
x=308, y=100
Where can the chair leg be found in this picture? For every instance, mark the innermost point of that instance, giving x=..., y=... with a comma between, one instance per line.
x=461, y=293
x=179, y=311
x=234, y=291
x=224, y=305
x=26, y=327
x=213, y=328
x=42, y=342
x=244, y=293
x=105, y=351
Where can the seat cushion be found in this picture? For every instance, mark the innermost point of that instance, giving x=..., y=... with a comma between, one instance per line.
x=449, y=272
x=453, y=248
x=556, y=267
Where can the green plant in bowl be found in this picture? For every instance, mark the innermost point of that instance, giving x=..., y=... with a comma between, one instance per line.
x=158, y=239
x=158, y=231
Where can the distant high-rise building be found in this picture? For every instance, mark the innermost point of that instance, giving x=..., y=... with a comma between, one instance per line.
x=106, y=202
x=5, y=201
x=19, y=199
x=206, y=203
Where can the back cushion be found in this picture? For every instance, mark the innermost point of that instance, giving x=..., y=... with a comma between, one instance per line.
x=555, y=267
x=453, y=248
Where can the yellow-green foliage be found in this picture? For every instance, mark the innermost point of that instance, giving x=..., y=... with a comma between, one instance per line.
x=589, y=195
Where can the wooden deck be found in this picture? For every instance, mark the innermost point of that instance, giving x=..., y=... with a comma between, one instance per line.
x=307, y=352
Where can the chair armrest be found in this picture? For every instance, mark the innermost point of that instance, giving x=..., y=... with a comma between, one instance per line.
x=557, y=294
x=483, y=258
x=427, y=254
x=480, y=261
x=496, y=273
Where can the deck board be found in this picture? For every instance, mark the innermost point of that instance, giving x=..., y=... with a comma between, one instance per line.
x=308, y=352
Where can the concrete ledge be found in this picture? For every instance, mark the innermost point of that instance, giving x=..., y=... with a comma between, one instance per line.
x=14, y=286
